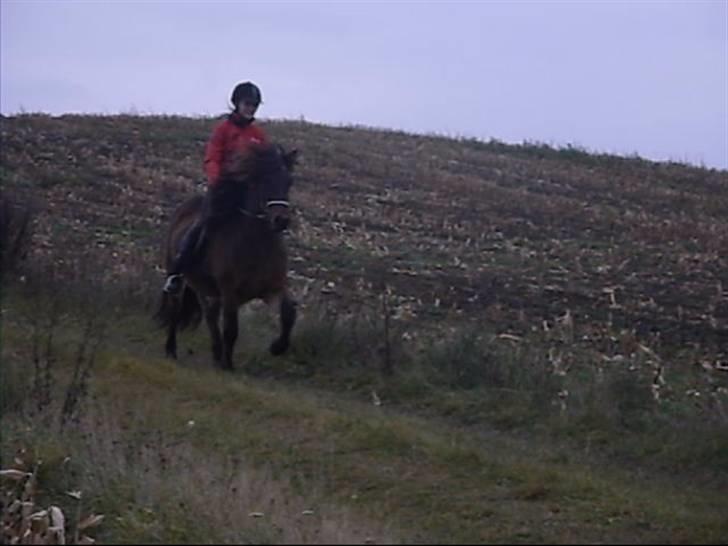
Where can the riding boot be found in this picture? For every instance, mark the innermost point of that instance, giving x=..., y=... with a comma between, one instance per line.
x=188, y=254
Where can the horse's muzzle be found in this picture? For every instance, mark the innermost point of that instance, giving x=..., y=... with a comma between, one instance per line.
x=280, y=223
x=279, y=215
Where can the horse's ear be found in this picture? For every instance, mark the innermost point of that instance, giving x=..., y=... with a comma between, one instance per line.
x=290, y=159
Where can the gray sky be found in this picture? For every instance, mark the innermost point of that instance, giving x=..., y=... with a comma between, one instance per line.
x=626, y=77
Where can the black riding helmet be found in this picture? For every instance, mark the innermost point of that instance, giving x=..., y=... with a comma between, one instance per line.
x=247, y=91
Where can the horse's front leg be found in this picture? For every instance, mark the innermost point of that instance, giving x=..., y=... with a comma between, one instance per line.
x=212, y=317
x=170, y=347
x=170, y=307
x=287, y=311
x=230, y=334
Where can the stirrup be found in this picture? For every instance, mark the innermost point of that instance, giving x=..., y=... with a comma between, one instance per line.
x=173, y=284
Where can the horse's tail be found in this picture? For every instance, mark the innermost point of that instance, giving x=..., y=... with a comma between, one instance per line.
x=183, y=311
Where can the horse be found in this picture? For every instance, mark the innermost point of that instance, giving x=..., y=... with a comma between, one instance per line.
x=244, y=256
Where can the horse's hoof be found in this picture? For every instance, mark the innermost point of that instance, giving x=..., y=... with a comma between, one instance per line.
x=224, y=366
x=171, y=355
x=278, y=347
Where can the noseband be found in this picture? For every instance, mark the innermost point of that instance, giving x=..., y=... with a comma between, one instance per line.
x=261, y=215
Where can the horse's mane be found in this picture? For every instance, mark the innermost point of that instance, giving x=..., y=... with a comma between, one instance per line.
x=256, y=162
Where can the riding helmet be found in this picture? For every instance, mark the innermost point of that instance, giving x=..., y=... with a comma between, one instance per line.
x=246, y=91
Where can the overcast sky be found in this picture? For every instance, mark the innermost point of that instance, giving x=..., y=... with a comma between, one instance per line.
x=626, y=77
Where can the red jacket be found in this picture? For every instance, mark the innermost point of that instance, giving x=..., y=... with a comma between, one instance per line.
x=228, y=140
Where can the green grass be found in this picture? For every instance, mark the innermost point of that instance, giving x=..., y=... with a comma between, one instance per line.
x=432, y=483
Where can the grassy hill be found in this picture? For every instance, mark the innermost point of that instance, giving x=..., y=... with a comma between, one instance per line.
x=511, y=234
x=557, y=322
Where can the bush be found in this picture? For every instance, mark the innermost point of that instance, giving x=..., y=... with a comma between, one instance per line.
x=15, y=225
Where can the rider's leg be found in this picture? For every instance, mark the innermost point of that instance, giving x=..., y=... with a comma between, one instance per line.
x=186, y=257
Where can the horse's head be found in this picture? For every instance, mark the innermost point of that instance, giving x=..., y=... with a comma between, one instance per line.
x=271, y=177
x=276, y=178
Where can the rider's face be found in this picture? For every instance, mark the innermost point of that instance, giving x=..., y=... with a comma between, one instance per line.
x=247, y=109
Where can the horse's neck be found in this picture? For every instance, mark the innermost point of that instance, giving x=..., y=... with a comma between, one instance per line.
x=253, y=228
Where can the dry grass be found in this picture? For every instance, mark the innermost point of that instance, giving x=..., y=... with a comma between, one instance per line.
x=156, y=488
x=232, y=501
x=512, y=236
x=24, y=521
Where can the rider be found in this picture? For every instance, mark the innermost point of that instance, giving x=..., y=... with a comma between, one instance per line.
x=230, y=139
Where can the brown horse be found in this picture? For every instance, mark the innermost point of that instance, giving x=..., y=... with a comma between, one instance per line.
x=244, y=256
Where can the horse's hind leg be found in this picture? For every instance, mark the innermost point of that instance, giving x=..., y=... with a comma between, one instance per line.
x=288, y=319
x=212, y=317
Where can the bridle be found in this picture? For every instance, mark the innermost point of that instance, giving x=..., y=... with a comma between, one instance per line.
x=280, y=203
x=261, y=215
